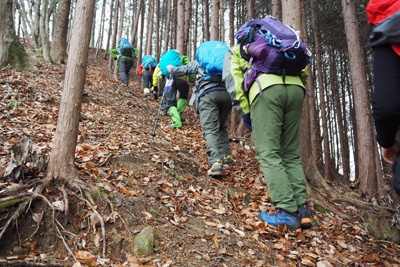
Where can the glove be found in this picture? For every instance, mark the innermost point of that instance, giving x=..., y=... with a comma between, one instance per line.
x=247, y=121
x=168, y=84
x=169, y=68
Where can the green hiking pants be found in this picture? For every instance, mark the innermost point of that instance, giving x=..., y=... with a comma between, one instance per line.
x=214, y=108
x=275, y=120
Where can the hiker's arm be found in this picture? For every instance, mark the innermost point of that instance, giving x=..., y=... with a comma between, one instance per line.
x=113, y=53
x=185, y=60
x=190, y=68
x=233, y=78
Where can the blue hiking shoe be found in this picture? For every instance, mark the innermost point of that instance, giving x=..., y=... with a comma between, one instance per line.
x=278, y=217
x=305, y=214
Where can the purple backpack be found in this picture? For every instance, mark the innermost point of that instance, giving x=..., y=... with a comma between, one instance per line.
x=273, y=47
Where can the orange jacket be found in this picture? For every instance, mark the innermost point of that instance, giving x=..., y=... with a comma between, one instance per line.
x=379, y=10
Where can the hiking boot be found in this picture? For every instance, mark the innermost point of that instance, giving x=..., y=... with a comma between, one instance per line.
x=155, y=95
x=228, y=159
x=124, y=85
x=216, y=168
x=183, y=119
x=281, y=217
x=305, y=214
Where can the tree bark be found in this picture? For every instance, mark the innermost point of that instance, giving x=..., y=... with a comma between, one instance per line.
x=109, y=30
x=62, y=157
x=59, y=43
x=44, y=36
x=369, y=173
x=180, y=30
x=249, y=6
x=149, y=34
x=135, y=26
x=276, y=8
x=167, y=25
x=7, y=30
x=114, y=35
x=231, y=23
x=206, y=20
x=188, y=15
x=214, y=20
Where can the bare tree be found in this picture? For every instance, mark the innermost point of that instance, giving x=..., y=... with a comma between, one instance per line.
x=7, y=30
x=276, y=8
x=109, y=30
x=62, y=157
x=44, y=37
x=231, y=23
x=188, y=15
x=114, y=35
x=59, y=42
x=206, y=20
x=249, y=5
x=135, y=25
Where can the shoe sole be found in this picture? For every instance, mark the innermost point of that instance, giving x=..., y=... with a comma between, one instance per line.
x=306, y=223
x=214, y=173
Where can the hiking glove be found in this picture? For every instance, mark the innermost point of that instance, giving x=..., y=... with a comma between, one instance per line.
x=247, y=121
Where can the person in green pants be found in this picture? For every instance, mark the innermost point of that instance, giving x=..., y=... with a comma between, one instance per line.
x=175, y=107
x=213, y=105
x=274, y=118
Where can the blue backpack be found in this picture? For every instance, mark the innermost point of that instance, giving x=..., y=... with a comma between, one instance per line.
x=146, y=60
x=210, y=56
x=171, y=57
x=125, y=48
x=273, y=47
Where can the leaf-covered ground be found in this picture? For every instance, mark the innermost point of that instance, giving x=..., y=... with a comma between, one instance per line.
x=199, y=220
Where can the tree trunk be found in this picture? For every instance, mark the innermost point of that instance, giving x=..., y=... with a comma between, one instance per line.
x=44, y=35
x=188, y=15
x=121, y=26
x=318, y=52
x=7, y=30
x=149, y=34
x=142, y=13
x=222, y=21
x=249, y=6
x=195, y=29
x=214, y=20
x=62, y=157
x=167, y=26
x=101, y=33
x=231, y=23
x=206, y=20
x=59, y=43
x=276, y=8
x=158, y=32
x=36, y=24
x=368, y=171
x=135, y=26
x=180, y=30
x=114, y=35
x=109, y=30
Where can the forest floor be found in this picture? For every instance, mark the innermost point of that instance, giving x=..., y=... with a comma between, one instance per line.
x=162, y=183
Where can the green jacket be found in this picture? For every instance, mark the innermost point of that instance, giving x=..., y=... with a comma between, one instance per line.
x=185, y=60
x=233, y=76
x=115, y=52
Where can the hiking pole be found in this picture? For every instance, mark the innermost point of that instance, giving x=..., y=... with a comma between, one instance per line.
x=167, y=88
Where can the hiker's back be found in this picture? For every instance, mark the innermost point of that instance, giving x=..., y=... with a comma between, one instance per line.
x=125, y=48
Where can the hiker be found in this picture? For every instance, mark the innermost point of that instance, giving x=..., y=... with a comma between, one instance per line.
x=158, y=82
x=140, y=69
x=271, y=108
x=212, y=101
x=386, y=65
x=149, y=63
x=124, y=55
x=174, y=107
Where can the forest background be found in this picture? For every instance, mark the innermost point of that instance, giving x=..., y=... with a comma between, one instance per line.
x=337, y=134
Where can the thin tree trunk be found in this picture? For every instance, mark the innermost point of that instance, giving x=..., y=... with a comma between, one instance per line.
x=59, y=43
x=99, y=44
x=158, y=31
x=109, y=30
x=206, y=20
x=188, y=15
x=276, y=8
x=167, y=25
x=180, y=30
x=62, y=157
x=231, y=23
x=134, y=29
x=44, y=36
x=114, y=35
x=214, y=20
x=222, y=21
x=149, y=34
x=249, y=6
x=7, y=31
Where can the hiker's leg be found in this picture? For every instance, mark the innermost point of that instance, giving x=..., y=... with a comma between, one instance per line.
x=290, y=142
x=151, y=78
x=267, y=119
x=122, y=69
x=176, y=119
x=183, y=88
x=129, y=64
x=147, y=79
x=224, y=107
x=209, y=120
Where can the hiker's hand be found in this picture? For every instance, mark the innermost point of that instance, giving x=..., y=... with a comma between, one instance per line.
x=169, y=68
x=247, y=121
x=389, y=154
x=192, y=84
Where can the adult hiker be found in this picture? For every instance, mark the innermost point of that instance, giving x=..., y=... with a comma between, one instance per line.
x=174, y=107
x=149, y=63
x=383, y=28
x=270, y=102
x=124, y=55
x=212, y=101
x=158, y=82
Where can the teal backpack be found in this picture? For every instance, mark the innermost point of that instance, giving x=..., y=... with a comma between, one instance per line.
x=210, y=56
x=149, y=62
x=171, y=57
x=125, y=48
